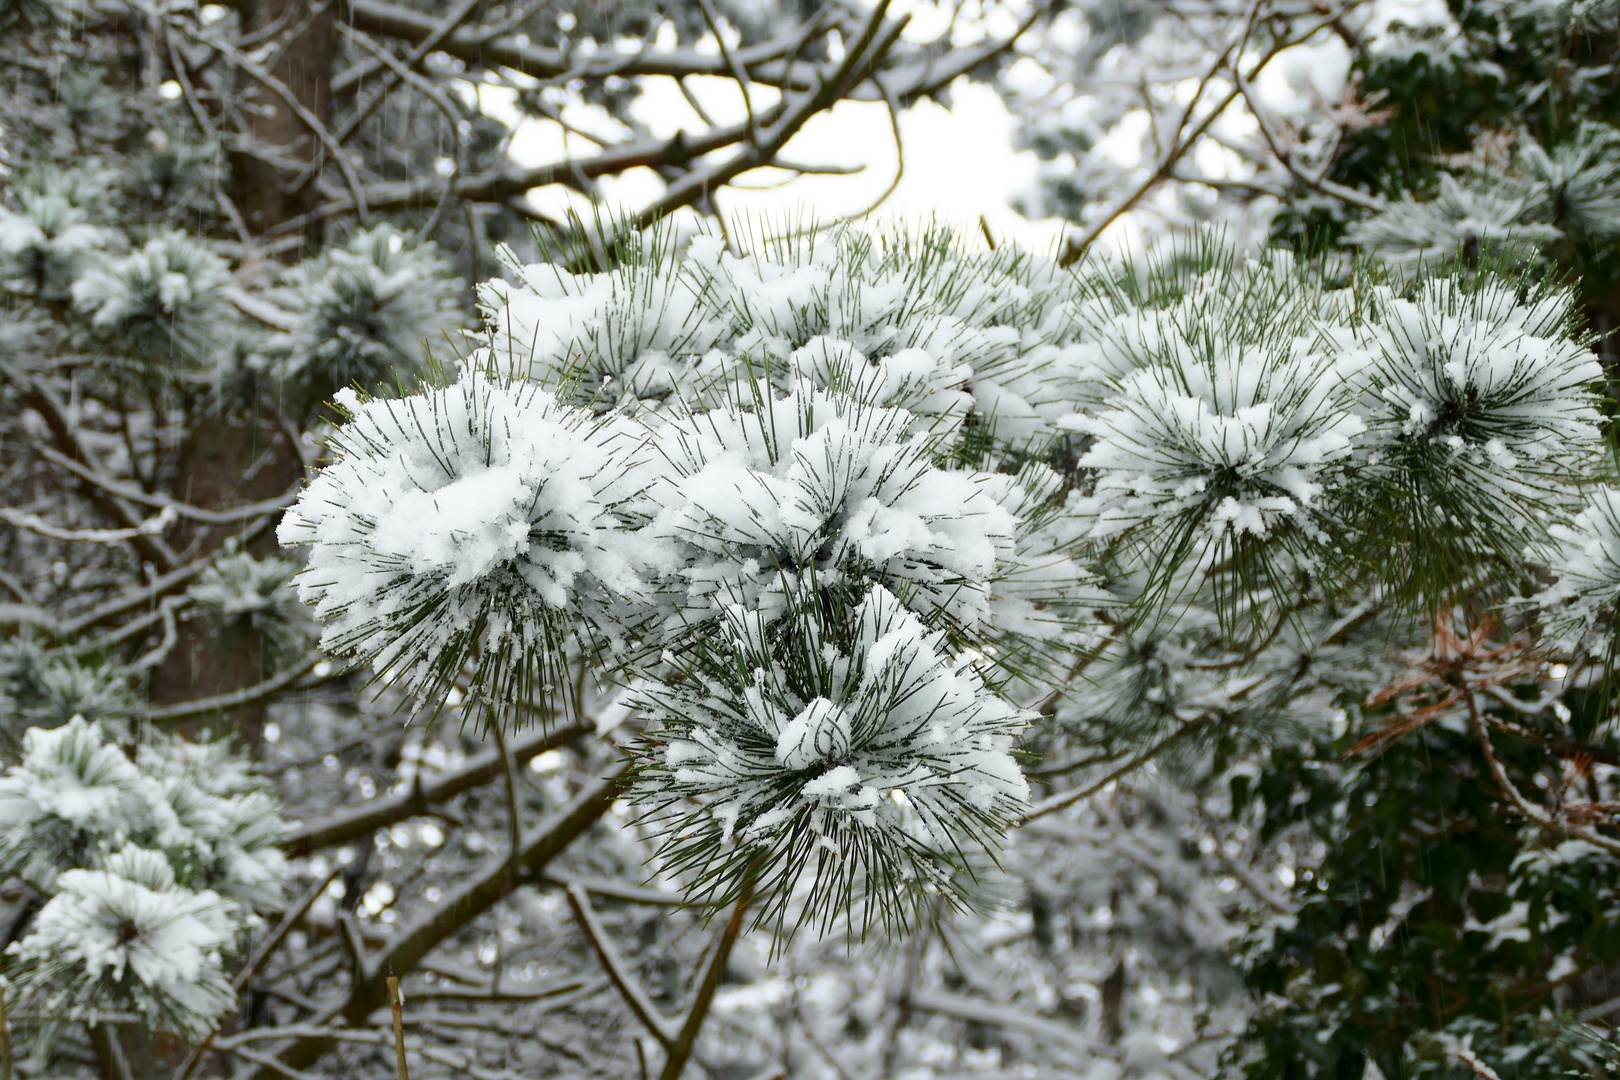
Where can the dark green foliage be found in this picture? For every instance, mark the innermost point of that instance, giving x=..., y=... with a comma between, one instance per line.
x=1434, y=915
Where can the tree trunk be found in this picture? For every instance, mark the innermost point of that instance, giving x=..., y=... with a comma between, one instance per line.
x=261, y=181
x=229, y=458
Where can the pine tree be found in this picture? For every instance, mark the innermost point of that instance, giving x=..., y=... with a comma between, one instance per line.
x=771, y=652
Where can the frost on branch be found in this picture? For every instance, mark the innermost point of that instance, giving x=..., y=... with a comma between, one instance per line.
x=480, y=524
x=841, y=761
x=774, y=493
x=1578, y=610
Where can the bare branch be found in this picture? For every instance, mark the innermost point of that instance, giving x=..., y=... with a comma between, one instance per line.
x=35, y=524
x=422, y=797
x=686, y=1041
x=621, y=978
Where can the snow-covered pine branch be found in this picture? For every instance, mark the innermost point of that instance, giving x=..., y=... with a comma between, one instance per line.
x=151, y=870
x=704, y=474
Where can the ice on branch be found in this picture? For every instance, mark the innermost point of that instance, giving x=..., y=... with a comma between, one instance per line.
x=842, y=761
x=163, y=302
x=368, y=313
x=814, y=489
x=481, y=524
x=124, y=939
x=1578, y=610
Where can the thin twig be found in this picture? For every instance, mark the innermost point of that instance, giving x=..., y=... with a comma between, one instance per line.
x=5, y=1037
x=686, y=1040
x=236, y=698
x=623, y=981
x=268, y=949
x=1069, y=798
x=396, y=1004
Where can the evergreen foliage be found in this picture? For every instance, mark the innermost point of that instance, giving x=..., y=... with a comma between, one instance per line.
x=773, y=650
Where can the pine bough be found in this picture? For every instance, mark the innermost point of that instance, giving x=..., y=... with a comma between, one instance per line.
x=840, y=511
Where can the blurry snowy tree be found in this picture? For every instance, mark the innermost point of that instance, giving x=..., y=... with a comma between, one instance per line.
x=822, y=655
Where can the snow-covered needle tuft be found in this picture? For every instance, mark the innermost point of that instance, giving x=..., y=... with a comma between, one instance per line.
x=1578, y=610
x=772, y=492
x=477, y=525
x=164, y=302
x=1231, y=421
x=1481, y=411
x=126, y=939
x=367, y=315
x=840, y=761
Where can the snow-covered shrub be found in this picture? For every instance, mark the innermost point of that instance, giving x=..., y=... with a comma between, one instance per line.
x=151, y=869
x=368, y=314
x=844, y=748
x=164, y=303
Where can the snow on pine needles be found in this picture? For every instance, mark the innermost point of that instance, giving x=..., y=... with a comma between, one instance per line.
x=840, y=509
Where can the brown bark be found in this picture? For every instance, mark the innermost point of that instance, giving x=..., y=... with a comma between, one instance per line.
x=1113, y=1004
x=306, y=30
x=226, y=460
